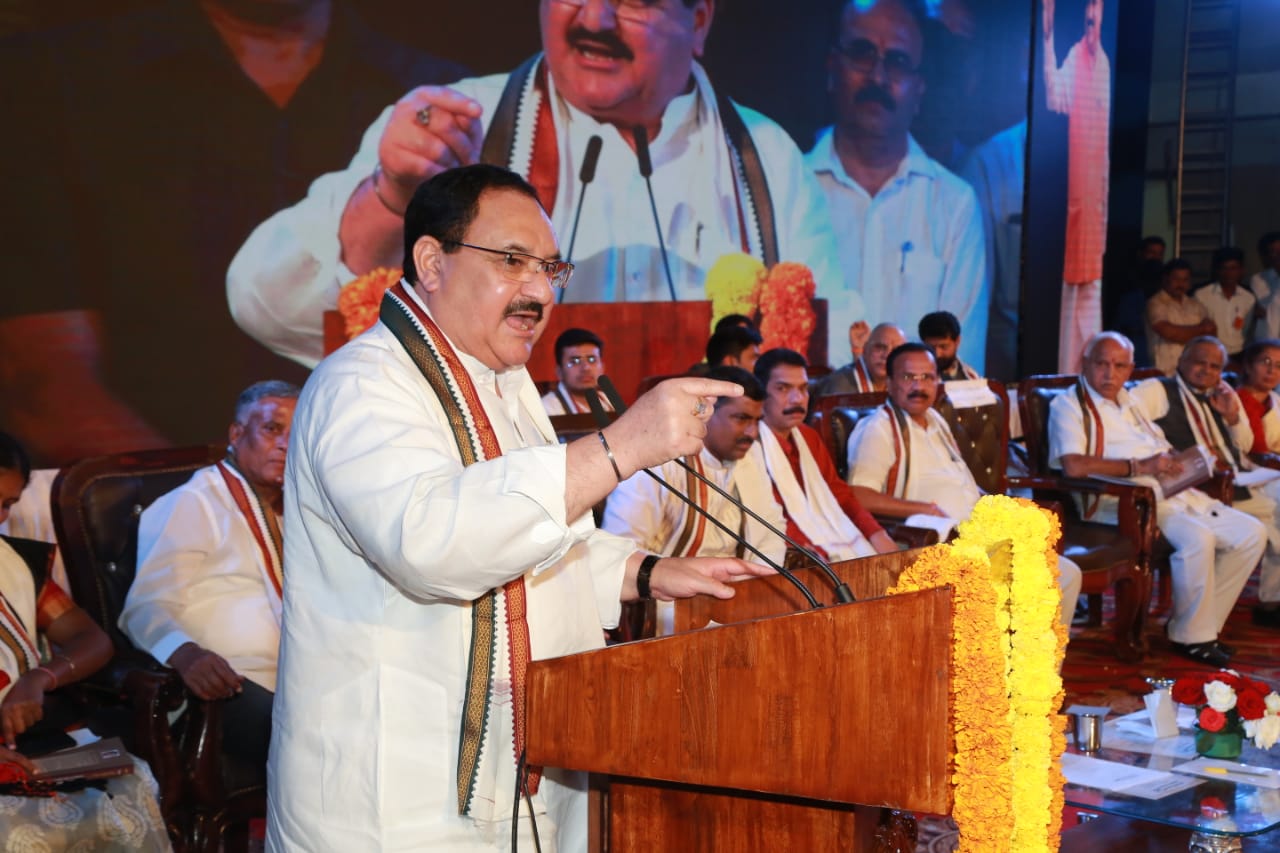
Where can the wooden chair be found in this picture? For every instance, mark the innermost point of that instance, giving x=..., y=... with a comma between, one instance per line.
x=1110, y=556
x=97, y=503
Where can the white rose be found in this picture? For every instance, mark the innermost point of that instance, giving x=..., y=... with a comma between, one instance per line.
x=1220, y=696
x=1273, y=702
x=1268, y=731
x=1250, y=728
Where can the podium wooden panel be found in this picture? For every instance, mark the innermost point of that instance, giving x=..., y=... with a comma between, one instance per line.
x=762, y=733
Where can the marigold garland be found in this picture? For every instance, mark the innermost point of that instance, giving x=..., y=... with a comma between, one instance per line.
x=360, y=299
x=786, y=307
x=733, y=285
x=1006, y=686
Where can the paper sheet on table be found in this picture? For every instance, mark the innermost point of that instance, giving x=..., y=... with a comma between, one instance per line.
x=1256, y=477
x=1133, y=733
x=1123, y=778
x=1245, y=774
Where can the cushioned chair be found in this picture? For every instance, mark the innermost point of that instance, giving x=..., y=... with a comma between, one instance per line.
x=835, y=416
x=1115, y=556
x=97, y=503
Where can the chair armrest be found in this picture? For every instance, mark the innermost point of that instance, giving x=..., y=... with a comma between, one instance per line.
x=1136, y=503
x=155, y=693
x=1266, y=460
x=1221, y=485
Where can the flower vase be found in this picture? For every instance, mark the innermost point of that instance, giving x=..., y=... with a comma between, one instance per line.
x=1224, y=744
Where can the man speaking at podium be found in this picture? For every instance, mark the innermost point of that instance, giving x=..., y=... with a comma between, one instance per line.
x=438, y=538
x=725, y=179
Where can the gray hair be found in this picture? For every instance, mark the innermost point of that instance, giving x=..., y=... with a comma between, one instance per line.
x=1097, y=339
x=259, y=390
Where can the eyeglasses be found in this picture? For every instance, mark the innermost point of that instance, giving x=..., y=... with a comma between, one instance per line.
x=863, y=56
x=636, y=11
x=575, y=360
x=524, y=268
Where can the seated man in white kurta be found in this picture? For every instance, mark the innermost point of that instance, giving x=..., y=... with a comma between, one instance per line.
x=658, y=521
x=604, y=72
x=1097, y=428
x=579, y=365
x=1197, y=406
x=206, y=597
x=439, y=537
x=903, y=460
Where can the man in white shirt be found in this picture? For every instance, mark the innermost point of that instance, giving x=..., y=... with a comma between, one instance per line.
x=1098, y=429
x=1196, y=406
x=608, y=68
x=657, y=521
x=904, y=460
x=1265, y=285
x=439, y=538
x=206, y=598
x=579, y=364
x=1229, y=304
x=910, y=231
x=1174, y=317
x=867, y=370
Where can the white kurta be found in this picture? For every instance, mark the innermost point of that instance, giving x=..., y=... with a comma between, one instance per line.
x=914, y=247
x=388, y=539
x=1215, y=547
x=200, y=579
x=290, y=269
x=1233, y=317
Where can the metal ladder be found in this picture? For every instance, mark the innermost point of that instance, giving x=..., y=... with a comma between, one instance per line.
x=1206, y=112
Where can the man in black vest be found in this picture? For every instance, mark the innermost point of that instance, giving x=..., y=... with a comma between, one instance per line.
x=1196, y=406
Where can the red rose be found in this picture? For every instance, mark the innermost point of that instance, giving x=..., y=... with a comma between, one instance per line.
x=1230, y=679
x=1211, y=720
x=1250, y=704
x=1189, y=691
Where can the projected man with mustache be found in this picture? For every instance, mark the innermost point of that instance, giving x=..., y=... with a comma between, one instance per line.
x=910, y=231
x=904, y=460
x=821, y=510
x=1081, y=90
x=609, y=67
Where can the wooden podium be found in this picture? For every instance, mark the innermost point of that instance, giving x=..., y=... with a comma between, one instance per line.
x=763, y=734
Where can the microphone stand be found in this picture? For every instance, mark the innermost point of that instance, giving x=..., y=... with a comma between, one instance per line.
x=843, y=593
x=585, y=176
x=646, y=170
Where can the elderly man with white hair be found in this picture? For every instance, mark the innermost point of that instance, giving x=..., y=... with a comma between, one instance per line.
x=1097, y=429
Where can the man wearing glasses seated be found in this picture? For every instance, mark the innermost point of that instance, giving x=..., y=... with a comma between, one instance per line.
x=910, y=231
x=579, y=363
x=609, y=67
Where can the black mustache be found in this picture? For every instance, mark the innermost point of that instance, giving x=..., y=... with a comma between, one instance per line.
x=794, y=410
x=525, y=306
x=604, y=41
x=873, y=92
x=917, y=395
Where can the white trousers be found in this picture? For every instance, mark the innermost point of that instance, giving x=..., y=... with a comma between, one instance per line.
x=1213, y=555
x=1069, y=580
x=1264, y=505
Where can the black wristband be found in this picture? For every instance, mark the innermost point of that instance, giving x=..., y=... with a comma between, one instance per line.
x=642, y=576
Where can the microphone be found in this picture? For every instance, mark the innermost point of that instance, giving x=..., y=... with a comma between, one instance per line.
x=602, y=420
x=646, y=170
x=585, y=176
x=843, y=594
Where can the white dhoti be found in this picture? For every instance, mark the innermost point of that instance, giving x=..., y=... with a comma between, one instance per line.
x=1214, y=554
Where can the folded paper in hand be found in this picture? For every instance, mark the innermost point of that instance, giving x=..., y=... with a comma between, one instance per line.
x=1196, y=467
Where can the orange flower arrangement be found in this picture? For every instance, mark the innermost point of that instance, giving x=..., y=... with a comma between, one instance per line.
x=786, y=307
x=1008, y=645
x=361, y=298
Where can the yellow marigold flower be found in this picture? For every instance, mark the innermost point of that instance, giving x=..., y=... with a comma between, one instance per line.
x=733, y=285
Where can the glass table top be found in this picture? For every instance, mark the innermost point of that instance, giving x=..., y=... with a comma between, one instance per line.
x=1213, y=806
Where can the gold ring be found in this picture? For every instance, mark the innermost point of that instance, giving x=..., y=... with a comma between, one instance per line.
x=423, y=115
